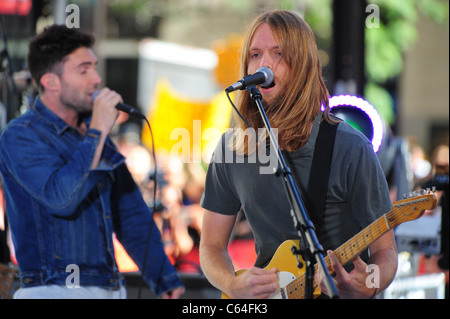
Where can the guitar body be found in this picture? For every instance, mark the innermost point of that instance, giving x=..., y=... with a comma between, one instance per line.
x=287, y=264
x=291, y=278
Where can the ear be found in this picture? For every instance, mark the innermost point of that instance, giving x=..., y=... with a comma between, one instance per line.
x=50, y=82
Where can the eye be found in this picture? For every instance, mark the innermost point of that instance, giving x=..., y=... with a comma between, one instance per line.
x=254, y=54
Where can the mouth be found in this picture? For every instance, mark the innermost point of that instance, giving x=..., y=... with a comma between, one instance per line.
x=271, y=85
x=92, y=96
x=268, y=88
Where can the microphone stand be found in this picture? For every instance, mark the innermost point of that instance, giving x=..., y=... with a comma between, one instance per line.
x=303, y=224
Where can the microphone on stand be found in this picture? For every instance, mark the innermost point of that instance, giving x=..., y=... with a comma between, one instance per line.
x=263, y=76
x=122, y=107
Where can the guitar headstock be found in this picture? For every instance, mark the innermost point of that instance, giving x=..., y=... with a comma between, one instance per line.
x=412, y=207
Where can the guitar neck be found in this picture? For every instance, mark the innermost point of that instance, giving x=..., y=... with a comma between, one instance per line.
x=345, y=253
x=402, y=211
x=355, y=245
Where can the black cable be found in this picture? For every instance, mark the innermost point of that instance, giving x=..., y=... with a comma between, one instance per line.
x=237, y=111
x=253, y=131
x=153, y=208
x=155, y=182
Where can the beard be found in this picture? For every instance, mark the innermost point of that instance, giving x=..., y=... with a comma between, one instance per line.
x=75, y=101
x=273, y=104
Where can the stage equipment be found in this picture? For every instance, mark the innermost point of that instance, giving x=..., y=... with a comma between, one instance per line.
x=361, y=115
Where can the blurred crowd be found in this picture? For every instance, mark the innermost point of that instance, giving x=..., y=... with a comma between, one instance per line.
x=179, y=189
x=180, y=186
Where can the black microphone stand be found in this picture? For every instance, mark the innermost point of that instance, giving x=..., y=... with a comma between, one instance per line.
x=303, y=224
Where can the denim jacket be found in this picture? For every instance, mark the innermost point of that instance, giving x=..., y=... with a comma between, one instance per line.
x=62, y=213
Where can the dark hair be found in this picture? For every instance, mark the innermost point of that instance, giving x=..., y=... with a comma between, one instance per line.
x=48, y=50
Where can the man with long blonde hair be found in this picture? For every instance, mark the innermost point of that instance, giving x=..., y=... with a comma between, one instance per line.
x=357, y=190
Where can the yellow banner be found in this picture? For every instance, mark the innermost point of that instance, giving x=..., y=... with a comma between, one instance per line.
x=184, y=127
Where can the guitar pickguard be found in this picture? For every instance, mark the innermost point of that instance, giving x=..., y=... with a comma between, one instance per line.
x=284, y=279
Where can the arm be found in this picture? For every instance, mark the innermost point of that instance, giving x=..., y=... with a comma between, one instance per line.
x=218, y=267
x=357, y=283
x=383, y=253
x=136, y=229
x=61, y=179
x=368, y=195
x=104, y=115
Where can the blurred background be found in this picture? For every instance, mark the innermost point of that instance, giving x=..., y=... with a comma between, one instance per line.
x=172, y=60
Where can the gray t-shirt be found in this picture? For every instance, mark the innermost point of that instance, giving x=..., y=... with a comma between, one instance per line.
x=357, y=192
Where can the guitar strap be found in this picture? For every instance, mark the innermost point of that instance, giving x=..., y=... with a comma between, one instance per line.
x=319, y=175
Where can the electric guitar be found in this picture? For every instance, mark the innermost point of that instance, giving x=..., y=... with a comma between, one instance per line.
x=291, y=277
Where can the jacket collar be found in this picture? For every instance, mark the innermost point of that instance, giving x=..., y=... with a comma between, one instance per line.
x=60, y=126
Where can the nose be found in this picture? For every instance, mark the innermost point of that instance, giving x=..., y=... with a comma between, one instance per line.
x=96, y=78
x=267, y=61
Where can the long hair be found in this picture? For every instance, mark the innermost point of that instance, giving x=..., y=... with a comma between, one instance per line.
x=305, y=93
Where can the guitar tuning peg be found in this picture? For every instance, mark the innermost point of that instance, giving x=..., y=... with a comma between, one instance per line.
x=429, y=190
x=420, y=192
x=408, y=195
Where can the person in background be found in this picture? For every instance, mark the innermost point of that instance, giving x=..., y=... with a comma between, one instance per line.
x=440, y=180
x=67, y=188
x=357, y=191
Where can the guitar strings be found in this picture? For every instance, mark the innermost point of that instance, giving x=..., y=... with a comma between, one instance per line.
x=298, y=283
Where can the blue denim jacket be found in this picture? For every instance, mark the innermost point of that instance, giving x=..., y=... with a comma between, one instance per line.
x=63, y=213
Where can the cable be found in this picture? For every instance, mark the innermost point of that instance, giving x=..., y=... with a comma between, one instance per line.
x=253, y=132
x=237, y=111
x=153, y=208
x=155, y=183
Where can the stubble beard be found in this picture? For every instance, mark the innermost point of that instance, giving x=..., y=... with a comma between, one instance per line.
x=72, y=100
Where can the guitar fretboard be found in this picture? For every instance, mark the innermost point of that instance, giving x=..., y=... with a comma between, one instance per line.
x=345, y=253
x=355, y=245
x=405, y=210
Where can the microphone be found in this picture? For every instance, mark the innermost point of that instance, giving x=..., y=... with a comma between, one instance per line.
x=122, y=107
x=263, y=76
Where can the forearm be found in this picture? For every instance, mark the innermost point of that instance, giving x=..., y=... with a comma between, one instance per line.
x=98, y=151
x=214, y=258
x=385, y=262
x=217, y=266
x=366, y=279
x=60, y=170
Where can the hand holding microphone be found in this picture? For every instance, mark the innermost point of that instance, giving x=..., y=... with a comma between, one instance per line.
x=104, y=113
x=121, y=106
